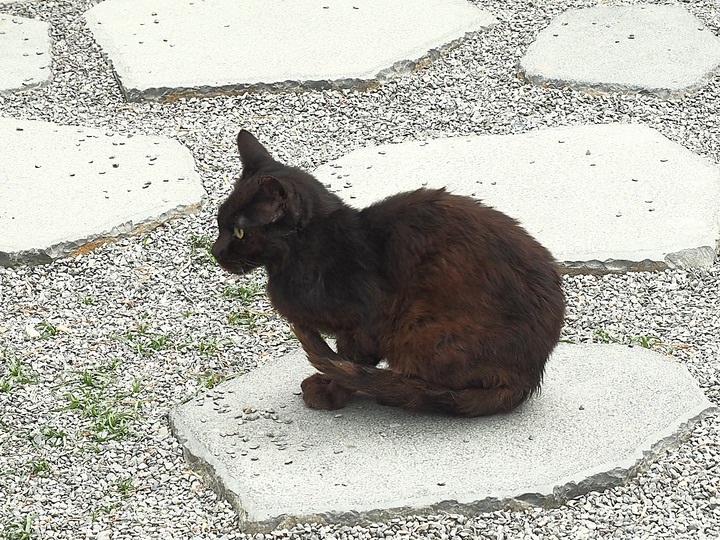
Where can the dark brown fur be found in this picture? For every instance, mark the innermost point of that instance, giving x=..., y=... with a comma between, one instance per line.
x=463, y=304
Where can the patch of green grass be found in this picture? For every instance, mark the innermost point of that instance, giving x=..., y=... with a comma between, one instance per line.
x=103, y=509
x=201, y=249
x=16, y=372
x=603, y=336
x=244, y=317
x=244, y=292
x=144, y=341
x=39, y=467
x=19, y=529
x=47, y=330
x=645, y=341
x=53, y=435
x=211, y=345
x=89, y=301
x=107, y=410
x=124, y=487
x=109, y=419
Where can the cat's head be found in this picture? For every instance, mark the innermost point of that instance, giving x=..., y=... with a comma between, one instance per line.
x=270, y=203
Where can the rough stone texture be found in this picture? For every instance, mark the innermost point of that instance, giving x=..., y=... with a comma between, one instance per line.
x=650, y=48
x=604, y=412
x=601, y=197
x=161, y=47
x=65, y=190
x=25, y=53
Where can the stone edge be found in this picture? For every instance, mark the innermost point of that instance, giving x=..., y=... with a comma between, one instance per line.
x=74, y=248
x=398, y=69
x=49, y=43
x=545, y=496
x=600, y=89
x=700, y=257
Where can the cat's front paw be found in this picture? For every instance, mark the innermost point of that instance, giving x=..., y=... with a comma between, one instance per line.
x=320, y=392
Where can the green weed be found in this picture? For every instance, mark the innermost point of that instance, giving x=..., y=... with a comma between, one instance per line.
x=103, y=509
x=91, y=395
x=53, y=435
x=211, y=345
x=603, y=336
x=16, y=373
x=125, y=487
x=144, y=341
x=244, y=317
x=39, y=467
x=47, y=330
x=244, y=292
x=109, y=419
x=201, y=249
x=645, y=341
x=21, y=529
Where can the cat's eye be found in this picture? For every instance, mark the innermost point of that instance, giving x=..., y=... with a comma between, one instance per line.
x=238, y=233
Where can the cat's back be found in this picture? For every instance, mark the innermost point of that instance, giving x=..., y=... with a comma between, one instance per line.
x=426, y=221
x=464, y=251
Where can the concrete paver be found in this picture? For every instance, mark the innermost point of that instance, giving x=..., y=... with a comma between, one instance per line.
x=65, y=188
x=160, y=47
x=25, y=53
x=600, y=197
x=658, y=49
x=604, y=412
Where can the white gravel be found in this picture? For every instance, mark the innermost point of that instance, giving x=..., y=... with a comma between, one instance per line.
x=106, y=343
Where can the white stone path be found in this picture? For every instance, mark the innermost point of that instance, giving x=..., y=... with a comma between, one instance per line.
x=160, y=47
x=658, y=49
x=604, y=411
x=65, y=190
x=603, y=197
x=25, y=53
x=600, y=197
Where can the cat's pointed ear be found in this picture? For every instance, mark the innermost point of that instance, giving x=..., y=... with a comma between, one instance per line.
x=253, y=155
x=273, y=198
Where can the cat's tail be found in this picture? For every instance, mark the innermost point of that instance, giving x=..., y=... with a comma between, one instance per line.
x=397, y=390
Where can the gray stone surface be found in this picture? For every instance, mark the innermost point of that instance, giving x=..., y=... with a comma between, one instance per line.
x=604, y=412
x=25, y=53
x=160, y=47
x=652, y=48
x=600, y=197
x=65, y=190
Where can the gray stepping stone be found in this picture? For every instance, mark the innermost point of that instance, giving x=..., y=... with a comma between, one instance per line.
x=649, y=48
x=25, y=53
x=65, y=190
x=600, y=197
x=605, y=412
x=160, y=47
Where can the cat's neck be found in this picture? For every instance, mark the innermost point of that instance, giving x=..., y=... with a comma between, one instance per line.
x=319, y=241
x=333, y=255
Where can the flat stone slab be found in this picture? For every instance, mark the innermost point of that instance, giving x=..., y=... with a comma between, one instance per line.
x=605, y=412
x=658, y=49
x=25, y=53
x=161, y=47
x=599, y=197
x=65, y=190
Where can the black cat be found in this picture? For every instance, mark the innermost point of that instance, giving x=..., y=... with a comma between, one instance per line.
x=462, y=302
